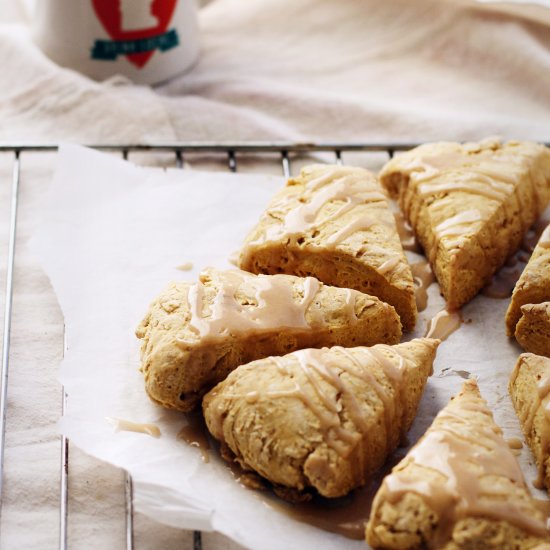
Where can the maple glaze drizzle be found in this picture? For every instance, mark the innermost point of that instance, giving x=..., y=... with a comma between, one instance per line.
x=443, y=324
x=453, y=229
x=434, y=172
x=327, y=365
x=195, y=433
x=362, y=223
x=356, y=368
x=475, y=182
x=247, y=478
x=423, y=277
x=486, y=174
x=323, y=390
x=271, y=305
x=464, y=448
x=347, y=515
x=390, y=264
x=342, y=187
x=319, y=364
x=504, y=280
x=406, y=234
x=335, y=185
x=186, y=266
x=121, y=425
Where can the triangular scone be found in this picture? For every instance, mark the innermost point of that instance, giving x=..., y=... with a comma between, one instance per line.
x=533, y=328
x=530, y=392
x=323, y=419
x=469, y=205
x=195, y=334
x=460, y=486
x=533, y=286
x=334, y=223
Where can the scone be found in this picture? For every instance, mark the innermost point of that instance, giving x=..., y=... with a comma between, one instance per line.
x=195, y=334
x=469, y=205
x=533, y=286
x=529, y=387
x=334, y=223
x=324, y=419
x=460, y=486
x=533, y=328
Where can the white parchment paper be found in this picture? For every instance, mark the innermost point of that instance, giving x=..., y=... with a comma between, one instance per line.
x=111, y=238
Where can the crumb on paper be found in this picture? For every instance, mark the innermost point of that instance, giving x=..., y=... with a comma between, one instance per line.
x=186, y=266
x=121, y=425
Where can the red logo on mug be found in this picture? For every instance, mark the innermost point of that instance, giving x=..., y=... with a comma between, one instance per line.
x=137, y=27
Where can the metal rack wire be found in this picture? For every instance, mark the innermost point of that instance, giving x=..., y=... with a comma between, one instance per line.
x=231, y=152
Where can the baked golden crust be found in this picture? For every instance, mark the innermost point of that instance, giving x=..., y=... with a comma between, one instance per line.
x=194, y=334
x=323, y=419
x=529, y=386
x=469, y=205
x=533, y=328
x=334, y=223
x=533, y=286
x=460, y=486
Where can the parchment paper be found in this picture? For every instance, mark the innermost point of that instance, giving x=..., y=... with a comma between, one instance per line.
x=111, y=238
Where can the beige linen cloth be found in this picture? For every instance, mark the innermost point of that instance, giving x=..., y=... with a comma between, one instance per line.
x=320, y=70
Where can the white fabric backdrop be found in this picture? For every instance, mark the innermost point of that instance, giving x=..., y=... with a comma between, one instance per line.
x=309, y=69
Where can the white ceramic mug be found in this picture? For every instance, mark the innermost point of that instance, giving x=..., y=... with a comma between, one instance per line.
x=148, y=41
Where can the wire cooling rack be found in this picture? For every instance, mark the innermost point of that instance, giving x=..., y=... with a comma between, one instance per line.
x=228, y=155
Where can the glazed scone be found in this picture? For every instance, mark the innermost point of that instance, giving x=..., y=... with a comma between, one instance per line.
x=533, y=286
x=195, y=334
x=320, y=418
x=334, y=223
x=533, y=328
x=469, y=205
x=529, y=389
x=459, y=487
